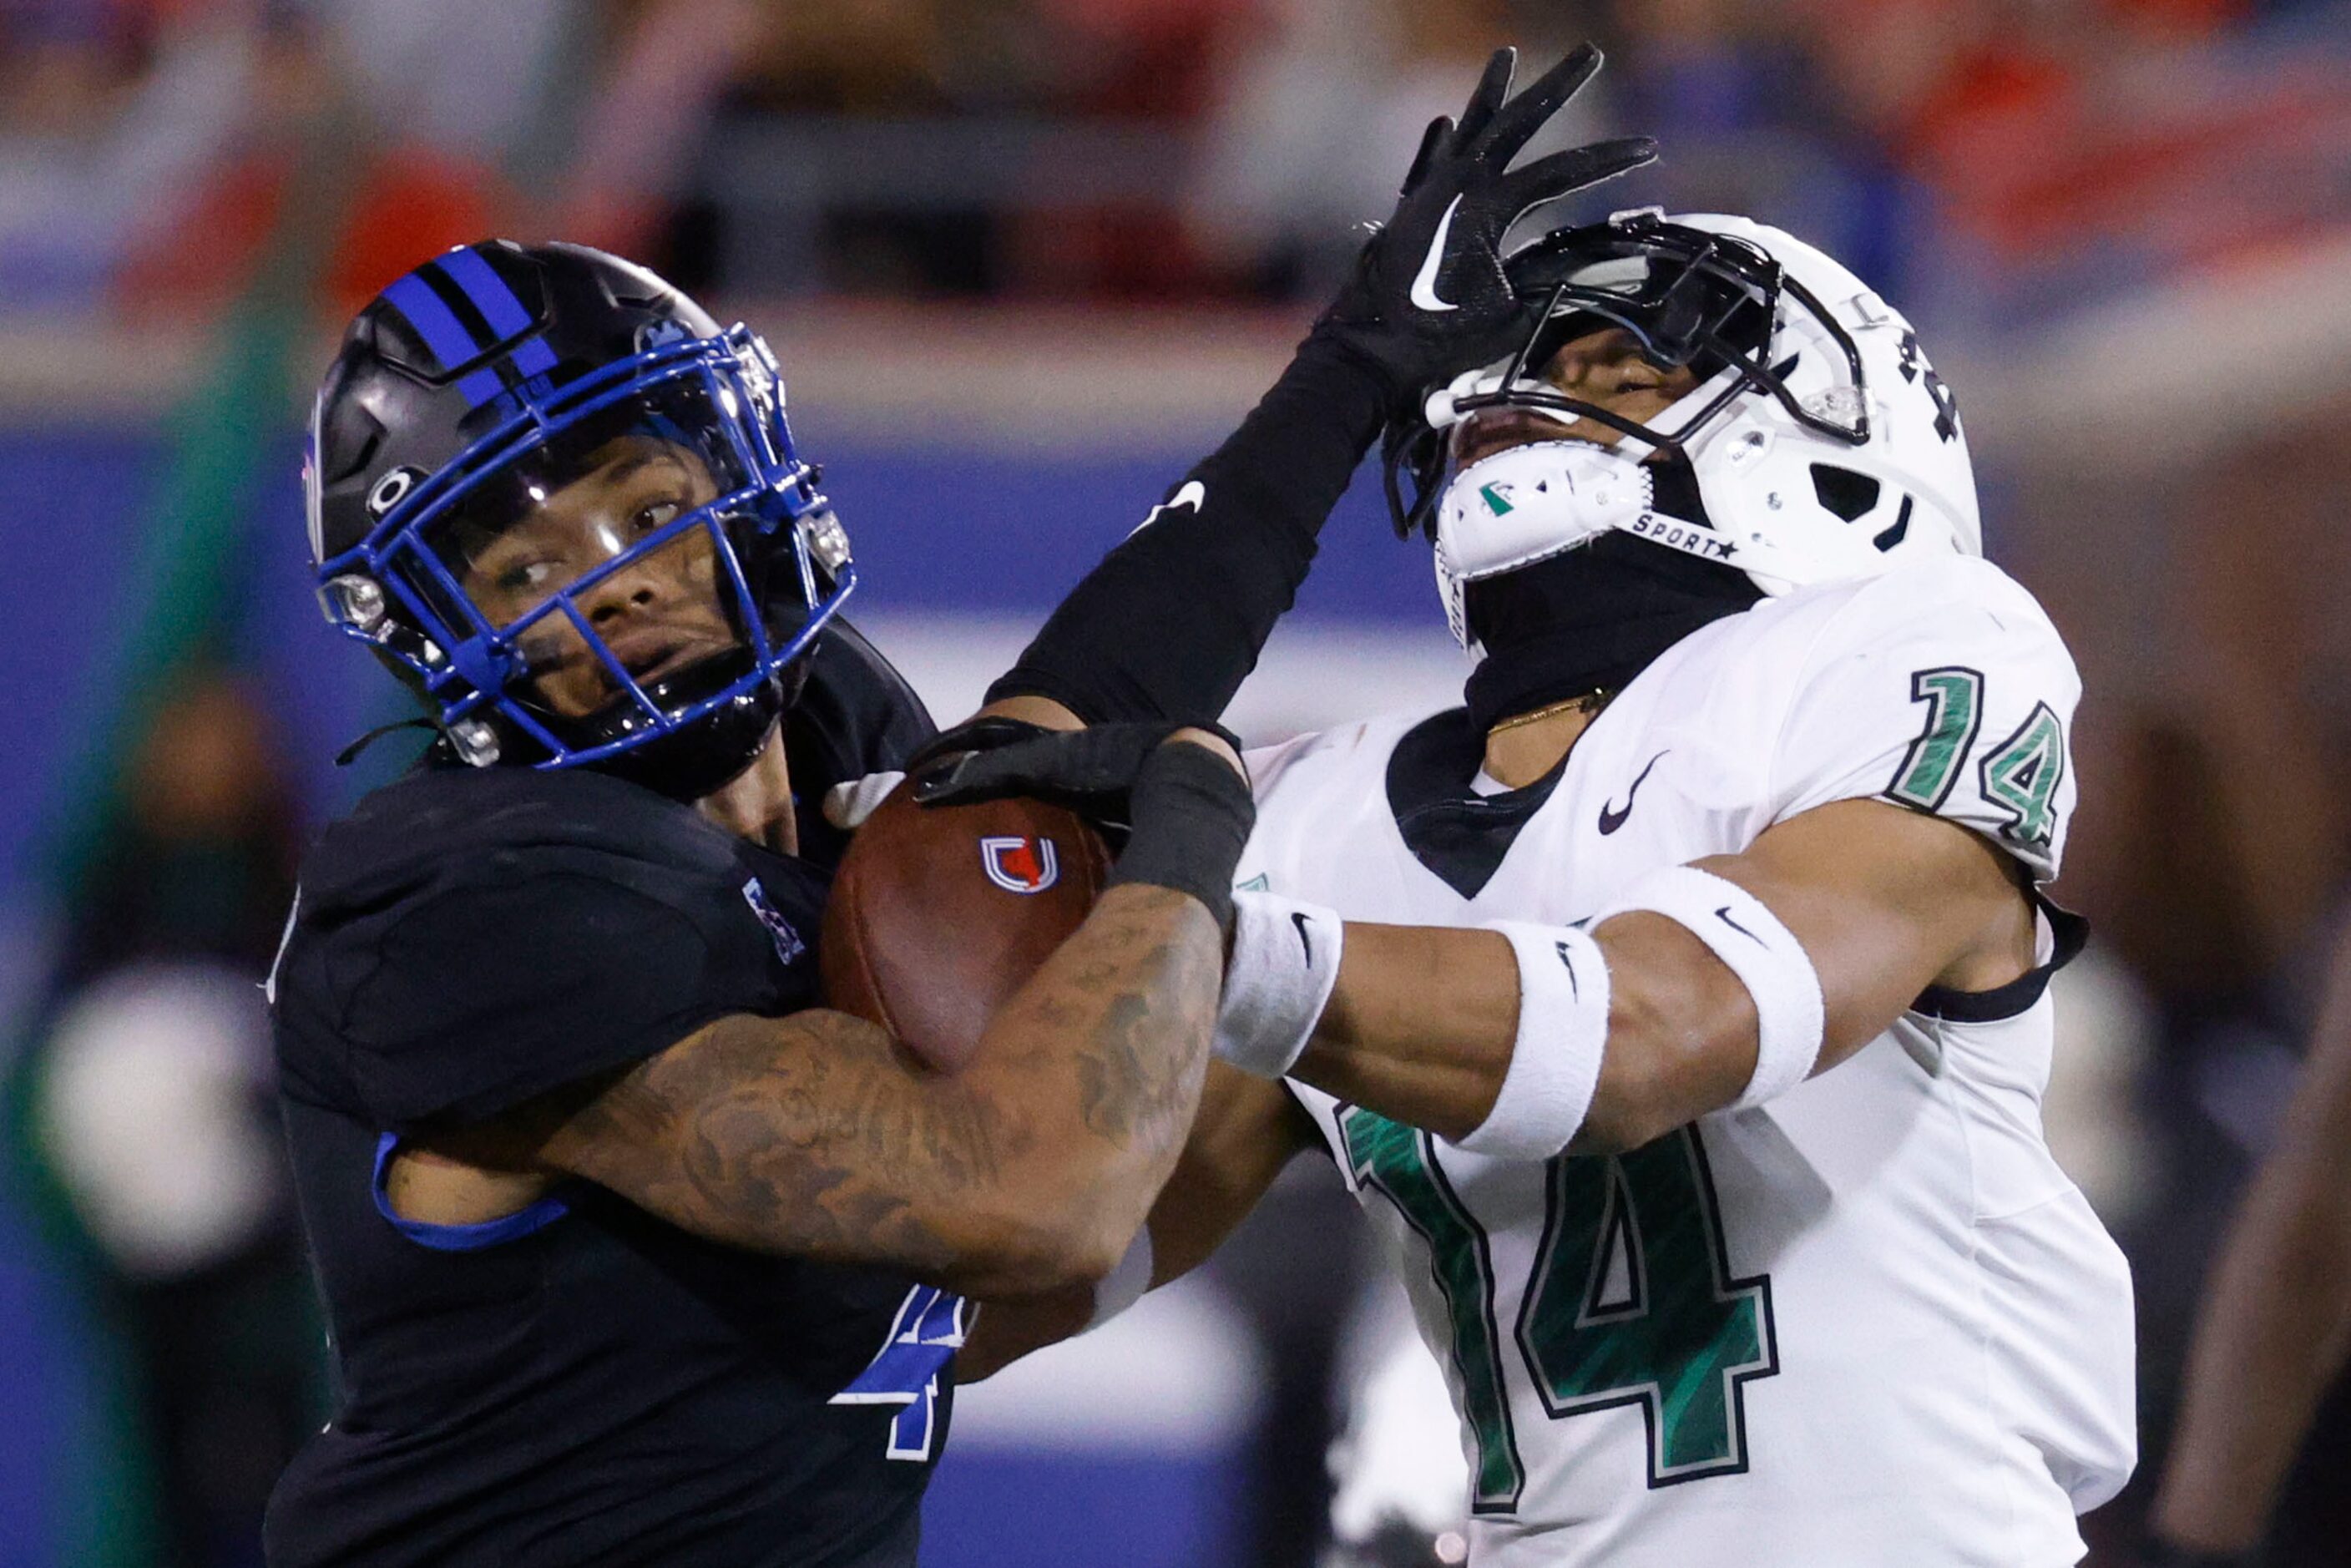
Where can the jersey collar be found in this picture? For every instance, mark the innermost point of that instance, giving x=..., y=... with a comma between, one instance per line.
x=1460, y=836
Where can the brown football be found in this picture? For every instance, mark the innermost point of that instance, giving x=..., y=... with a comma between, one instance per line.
x=940, y=912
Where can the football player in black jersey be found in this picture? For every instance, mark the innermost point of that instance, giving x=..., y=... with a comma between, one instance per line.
x=631, y=1250
x=620, y=1233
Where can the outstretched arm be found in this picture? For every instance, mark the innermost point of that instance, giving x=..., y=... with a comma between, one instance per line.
x=2276, y=1325
x=1172, y=620
x=1246, y=1133
x=1422, y=1024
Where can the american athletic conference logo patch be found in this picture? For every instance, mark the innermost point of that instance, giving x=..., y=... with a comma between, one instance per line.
x=1020, y=863
x=788, y=945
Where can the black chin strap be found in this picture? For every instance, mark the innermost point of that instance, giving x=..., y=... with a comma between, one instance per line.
x=351, y=754
x=1589, y=619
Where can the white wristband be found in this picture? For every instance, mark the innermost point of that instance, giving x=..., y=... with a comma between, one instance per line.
x=1555, y=1059
x=1123, y=1285
x=1285, y=960
x=1763, y=953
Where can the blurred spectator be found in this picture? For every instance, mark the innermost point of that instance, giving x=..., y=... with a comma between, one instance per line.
x=202, y=865
x=110, y=114
x=153, y=1113
x=1319, y=109
x=2033, y=152
x=668, y=63
x=2271, y=1340
x=841, y=221
x=958, y=146
x=2216, y=863
x=874, y=57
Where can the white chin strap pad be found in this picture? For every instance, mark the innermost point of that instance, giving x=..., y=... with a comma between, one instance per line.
x=1526, y=504
x=1529, y=502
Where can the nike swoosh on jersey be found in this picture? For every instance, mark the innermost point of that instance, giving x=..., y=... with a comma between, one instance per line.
x=1423, y=286
x=1305, y=935
x=1612, y=817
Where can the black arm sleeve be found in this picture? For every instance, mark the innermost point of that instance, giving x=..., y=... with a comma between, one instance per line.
x=1172, y=621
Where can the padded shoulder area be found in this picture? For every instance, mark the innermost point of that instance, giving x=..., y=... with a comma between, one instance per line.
x=469, y=938
x=440, y=827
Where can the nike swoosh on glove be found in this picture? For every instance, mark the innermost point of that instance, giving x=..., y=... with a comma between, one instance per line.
x=1428, y=297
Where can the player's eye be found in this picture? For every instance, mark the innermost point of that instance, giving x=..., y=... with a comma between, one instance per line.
x=657, y=515
x=520, y=576
x=1636, y=373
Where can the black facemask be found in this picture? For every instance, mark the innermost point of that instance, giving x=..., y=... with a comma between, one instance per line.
x=1592, y=618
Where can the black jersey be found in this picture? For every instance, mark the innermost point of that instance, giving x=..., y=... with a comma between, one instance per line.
x=580, y=1382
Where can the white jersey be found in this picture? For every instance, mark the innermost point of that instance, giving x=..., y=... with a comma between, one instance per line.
x=1870, y=1323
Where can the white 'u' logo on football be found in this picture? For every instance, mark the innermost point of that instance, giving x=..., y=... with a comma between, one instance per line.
x=1020, y=863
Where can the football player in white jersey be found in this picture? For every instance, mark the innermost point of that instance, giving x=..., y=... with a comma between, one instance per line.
x=1678, y=1010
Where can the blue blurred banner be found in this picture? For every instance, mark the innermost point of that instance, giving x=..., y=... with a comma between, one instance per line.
x=939, y=532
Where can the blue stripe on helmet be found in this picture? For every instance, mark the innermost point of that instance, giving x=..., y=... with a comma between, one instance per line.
x=481, y=386
x=500, y=305
x=532, y=356
x=480, y=283
x=436, y=322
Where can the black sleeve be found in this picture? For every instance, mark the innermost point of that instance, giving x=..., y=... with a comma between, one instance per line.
x=495, y=990
x=1171, y=621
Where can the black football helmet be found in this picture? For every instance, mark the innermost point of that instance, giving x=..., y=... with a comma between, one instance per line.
x=512, y=445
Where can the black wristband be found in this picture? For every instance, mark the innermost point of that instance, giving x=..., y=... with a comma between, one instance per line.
x=1191, y=816
x=1169, y=623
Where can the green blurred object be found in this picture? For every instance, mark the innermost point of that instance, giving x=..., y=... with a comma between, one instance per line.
x=221, y=454
x=221, y=442
x=180, y=580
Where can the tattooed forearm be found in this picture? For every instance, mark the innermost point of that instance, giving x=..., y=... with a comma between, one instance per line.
x=812, y=1134
x=793, y=1134
x=1134, y=1088
x=1127, y=1021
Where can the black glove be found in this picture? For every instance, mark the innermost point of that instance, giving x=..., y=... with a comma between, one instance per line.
x=984, y=733
x=1188, y=812
x=1428, y=298
x=1091, y=771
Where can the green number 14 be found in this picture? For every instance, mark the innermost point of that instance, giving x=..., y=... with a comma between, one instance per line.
x=2020, y=775
x=1632, y=1302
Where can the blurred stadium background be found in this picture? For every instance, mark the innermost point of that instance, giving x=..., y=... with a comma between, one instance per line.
x=1024, y=260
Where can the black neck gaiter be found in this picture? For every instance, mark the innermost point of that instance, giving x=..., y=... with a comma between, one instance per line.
x=1589, y=619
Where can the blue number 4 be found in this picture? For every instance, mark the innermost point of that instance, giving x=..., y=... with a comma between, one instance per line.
x=928, y=1331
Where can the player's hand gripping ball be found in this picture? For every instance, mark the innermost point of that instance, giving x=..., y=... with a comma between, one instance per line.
x=940, y=912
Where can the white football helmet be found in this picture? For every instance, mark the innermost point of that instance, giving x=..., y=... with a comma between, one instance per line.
x=1823, y=445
